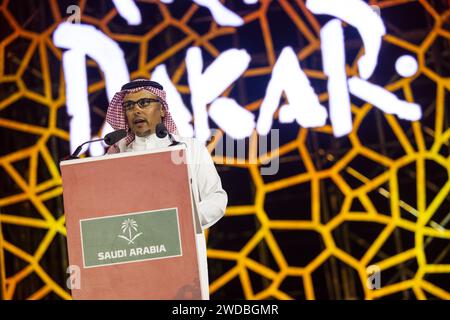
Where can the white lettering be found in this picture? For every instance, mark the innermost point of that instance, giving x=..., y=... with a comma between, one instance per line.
x=224, y=70
x=362, y=17
x=129, y=11
x=82, y=40
x=333, y=57
x=178, y=110
x=207, y=85
x=304, y=105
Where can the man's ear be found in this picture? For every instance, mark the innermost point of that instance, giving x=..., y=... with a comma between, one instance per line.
x=162, y=113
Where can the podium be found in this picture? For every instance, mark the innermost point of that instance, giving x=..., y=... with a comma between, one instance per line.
x=131, y=226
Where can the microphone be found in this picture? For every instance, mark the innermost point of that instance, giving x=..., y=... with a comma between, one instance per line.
x=115, y=136
x=109, y=139
x=161, y=132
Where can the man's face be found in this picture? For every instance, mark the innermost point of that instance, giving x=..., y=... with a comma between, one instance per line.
x=144, y=114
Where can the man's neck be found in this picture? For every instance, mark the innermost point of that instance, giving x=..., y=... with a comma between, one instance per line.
x=145, y=134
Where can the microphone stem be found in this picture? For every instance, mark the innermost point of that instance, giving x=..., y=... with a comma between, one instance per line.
x=78, y=150
x=96, y=140
x=101, y=139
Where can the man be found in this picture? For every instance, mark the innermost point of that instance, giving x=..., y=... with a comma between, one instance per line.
x=138, y=108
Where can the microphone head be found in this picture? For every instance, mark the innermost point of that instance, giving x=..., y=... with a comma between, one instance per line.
x=115, y=136
x=161, y=130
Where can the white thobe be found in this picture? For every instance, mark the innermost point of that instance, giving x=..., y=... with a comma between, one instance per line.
x=210, y=198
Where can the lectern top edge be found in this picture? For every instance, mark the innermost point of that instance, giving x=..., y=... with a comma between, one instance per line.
x=122, y=155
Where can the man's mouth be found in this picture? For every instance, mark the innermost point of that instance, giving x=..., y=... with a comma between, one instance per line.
x=139, y=120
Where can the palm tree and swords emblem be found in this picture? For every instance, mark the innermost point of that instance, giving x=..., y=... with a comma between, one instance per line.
x=128, y=226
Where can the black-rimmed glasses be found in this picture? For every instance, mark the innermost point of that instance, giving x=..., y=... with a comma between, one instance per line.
x=142, y=103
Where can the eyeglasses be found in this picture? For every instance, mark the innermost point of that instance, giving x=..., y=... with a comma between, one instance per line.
x=142, y=103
